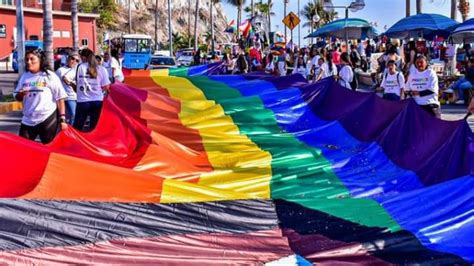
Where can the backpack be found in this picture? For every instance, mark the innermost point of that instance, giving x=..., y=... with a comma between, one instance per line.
x=398, y=77
x=354, y=83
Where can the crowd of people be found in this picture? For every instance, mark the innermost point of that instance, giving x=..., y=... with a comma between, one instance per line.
x=73, y=95
x=403, y=71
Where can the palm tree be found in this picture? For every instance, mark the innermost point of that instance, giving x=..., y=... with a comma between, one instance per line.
x=196, y=16
x=464, y=8
x=239, y=4
x=311, y=9
x=48, y=31
x=75, y=26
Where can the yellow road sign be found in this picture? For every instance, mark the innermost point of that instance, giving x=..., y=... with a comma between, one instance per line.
x=291, y=20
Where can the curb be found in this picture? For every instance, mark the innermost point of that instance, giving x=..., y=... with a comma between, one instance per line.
x=10, y=107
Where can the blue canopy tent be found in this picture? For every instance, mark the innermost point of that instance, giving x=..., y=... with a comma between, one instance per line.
x=464, y=32
x=350, y=28
x=422, y=25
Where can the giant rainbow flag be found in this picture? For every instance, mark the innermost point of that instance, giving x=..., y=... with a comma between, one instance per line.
x=186, y=167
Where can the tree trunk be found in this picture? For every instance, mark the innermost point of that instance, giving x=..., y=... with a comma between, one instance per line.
x=252, y=9
x=129, y=16
x=239, y=18
x=269, y=16
x=453, y=9
x=75, y=26
x=48, y=32
x=419, y=6
x=170, y=29
x=407, y=8
x=156, y=25
x=196, y=16
x=189, y=23
x=211, y=11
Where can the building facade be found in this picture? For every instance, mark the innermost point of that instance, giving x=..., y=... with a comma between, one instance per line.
x=33, y=23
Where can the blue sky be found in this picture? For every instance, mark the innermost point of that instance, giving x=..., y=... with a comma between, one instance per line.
x=384, y=12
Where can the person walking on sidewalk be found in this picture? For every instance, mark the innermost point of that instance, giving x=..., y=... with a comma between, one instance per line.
x=42, y=95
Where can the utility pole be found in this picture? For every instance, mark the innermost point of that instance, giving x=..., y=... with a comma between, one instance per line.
x=453, y=9
x=20, y=36
x=419, y=7
x=252, y=9
x=284, y=14
x=129, y=16
x=299, y=28
x=407, y=8
x=170, y=30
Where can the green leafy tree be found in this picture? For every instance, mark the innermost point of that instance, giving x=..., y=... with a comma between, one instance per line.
x=313, y=8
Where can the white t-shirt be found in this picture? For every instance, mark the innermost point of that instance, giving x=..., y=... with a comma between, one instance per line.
x=43, y=91
x=327, y=72
x=313, y=62
x=70, y=74
x=114, y=64
x=393, y=83
x=270, y=67
x=301, y=70
x=90, y=89
x=347, y=75
x=281, y=68
x=424, y=81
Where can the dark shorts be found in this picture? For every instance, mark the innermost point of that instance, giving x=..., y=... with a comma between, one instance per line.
x=46, y=130
x=391, y=97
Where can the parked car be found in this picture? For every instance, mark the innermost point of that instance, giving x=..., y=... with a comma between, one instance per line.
x=161, y=62
x=185, y=59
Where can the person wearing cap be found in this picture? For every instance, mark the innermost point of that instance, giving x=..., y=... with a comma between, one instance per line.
x=422, y=84
x=393, y=82
x=67, y=75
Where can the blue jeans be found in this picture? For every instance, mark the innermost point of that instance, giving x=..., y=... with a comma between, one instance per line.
x=87, y=109
x=70, y=111
x=461, y=85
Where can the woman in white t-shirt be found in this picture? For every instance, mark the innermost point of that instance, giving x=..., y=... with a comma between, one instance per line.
x=42, y=95
x=67, y=75
x=116, y=68
x=300, y=67
x=270, y=66
x=328, y=68
x=346, y=74
x=393, y=83
x=92, y=82
x=422, y=84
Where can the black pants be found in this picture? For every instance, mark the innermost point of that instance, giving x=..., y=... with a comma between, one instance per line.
x=433, y=109
x=85, y=109
x=46, y=130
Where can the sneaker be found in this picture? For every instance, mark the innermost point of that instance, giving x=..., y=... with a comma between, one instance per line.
x=459, y=102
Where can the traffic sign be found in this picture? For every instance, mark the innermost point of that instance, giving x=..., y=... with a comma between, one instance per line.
x=291, y=20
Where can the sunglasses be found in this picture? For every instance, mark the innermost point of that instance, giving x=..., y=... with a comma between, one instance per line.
x=75, y=59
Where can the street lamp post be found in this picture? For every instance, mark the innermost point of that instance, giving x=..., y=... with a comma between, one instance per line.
x=284, y=11
x=354, y=6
